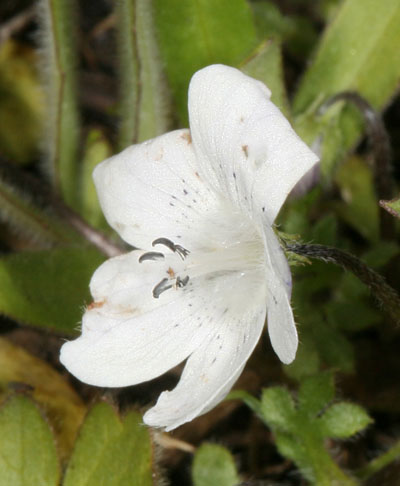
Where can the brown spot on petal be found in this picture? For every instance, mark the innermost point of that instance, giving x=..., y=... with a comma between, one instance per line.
x=186, y=136
x=171, y=273
x=96, y=305
x=245, y=149
x=159, y=155
x=241, y=119
x=197, y=175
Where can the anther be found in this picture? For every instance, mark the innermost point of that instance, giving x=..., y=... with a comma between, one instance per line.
x=182, y=282
x=161, y=287
x=182, y=252
x=151, y=255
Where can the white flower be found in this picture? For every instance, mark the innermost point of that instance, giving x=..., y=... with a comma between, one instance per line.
x=200, y=205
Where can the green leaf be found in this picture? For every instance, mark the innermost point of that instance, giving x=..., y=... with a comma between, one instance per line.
x=248, y=399
x=21, y=102
x=58, y=50
x=307, y=360
x=97, y=149
x=297, y=33
x=213, y=465
x=195, y=33
x=277, y=408
x=334, y=347
x=63, y=407
x=359, y=207
x=265, y=64
x=270, y=22
x=47, y=288
x=351, y=56
x=293, y=448
x=393, y=206
x=20, y=210
x=27, y=452
x=315, y=393
x=381, y=254
x=343, y=420
x=145, y=103
x=111, y=451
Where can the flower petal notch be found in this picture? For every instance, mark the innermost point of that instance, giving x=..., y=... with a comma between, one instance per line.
x=207, y=269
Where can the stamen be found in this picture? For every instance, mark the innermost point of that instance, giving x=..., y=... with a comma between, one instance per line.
x=161, y=287
x=182, y=282
x=151, y=255
x=182, y=252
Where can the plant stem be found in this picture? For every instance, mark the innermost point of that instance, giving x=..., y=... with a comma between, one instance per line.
x=144, y=96
x=381, y=290
x=379, y=462
x=58, y=52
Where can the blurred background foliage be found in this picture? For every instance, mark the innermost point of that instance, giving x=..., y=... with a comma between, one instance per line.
x=81, y=80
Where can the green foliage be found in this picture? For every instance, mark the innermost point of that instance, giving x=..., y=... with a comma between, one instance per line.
x=47, y=288
x=265, y=64
x=343, y=420
x=41, y=226
x=350, y=56
x=111, y=451
x=21, y=103
x=144, y=103
x=27, y=452
x=297, y=32
x=393, y=207
x=315, y=392
x=64, y=409
x=57, y=18
x=195, y=33
x=214, y=465
x=359, y=207
x=277, y=407
x=301, y=428
x=97, y=149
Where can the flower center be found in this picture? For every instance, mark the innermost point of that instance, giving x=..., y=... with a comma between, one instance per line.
x=229, y=256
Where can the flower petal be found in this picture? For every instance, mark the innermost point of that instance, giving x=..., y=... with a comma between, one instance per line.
x=245, y=146
x=210, y=371
x=128, y=336
x=281, y=327
x=154, y=190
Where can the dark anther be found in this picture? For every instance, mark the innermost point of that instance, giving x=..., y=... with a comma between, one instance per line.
x=182, y=282
x=182, y=252
x=161, y=287
x=151, y=255
x=164, y=241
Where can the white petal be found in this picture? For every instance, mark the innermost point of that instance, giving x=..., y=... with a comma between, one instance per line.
x=128, y=336
x=154, y=190
x=246, y=147
x=281, y=327
x=210, y=371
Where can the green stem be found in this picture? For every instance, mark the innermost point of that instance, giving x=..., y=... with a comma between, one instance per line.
x=380, y=289
x=144, y=98
x=58, y=64
x=379, y=462
x=317, y=464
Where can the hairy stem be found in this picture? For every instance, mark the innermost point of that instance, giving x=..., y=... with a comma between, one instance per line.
x=58, y=66
x=380, y=289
